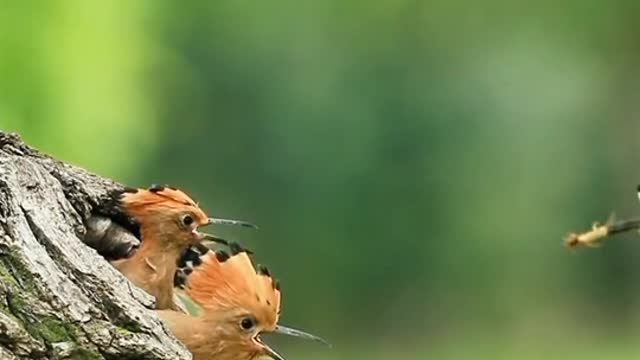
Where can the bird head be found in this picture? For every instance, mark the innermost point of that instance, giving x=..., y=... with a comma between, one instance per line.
x=170, y=213
x=239, y=304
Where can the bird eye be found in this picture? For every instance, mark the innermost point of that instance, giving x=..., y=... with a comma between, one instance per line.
x=247, y=323
x=187, y=220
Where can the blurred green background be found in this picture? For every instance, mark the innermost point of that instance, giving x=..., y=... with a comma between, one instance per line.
x=413, y=165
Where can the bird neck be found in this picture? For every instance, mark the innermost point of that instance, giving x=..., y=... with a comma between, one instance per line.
x=153, y=266
x=204, y=339
x=158, y=249
x=161, y=238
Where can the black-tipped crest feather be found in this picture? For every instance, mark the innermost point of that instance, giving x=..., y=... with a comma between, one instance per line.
x=222, y=256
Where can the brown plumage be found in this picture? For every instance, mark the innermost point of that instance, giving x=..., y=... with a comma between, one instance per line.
x=238, y=305
x=166, y=220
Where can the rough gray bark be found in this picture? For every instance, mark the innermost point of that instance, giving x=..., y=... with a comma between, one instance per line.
x=58, y=298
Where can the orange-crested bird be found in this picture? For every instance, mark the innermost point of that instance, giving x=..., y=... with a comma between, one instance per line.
x=166, y=220
x=237, y=305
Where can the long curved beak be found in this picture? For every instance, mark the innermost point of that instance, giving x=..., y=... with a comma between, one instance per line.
x=291, y=332
x=299, y=333
x=268, y=351
x=209, y=239
x=216, y=221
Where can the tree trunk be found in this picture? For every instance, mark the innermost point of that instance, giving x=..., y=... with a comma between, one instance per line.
x=58, y=298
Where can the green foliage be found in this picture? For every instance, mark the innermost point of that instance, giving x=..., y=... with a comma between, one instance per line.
x=72, y=82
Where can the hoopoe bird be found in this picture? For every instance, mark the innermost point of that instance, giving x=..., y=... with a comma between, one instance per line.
x=237, y=304
x=151, y=229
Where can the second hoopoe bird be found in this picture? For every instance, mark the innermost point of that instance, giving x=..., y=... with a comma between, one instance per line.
x=166, y=222
x=237, y=305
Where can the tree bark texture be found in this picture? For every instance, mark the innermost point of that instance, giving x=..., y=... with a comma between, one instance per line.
x=58, y=298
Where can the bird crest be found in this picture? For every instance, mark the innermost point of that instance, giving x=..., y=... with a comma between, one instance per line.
x=231, y=295
x=139, y=202
x=224, y=282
